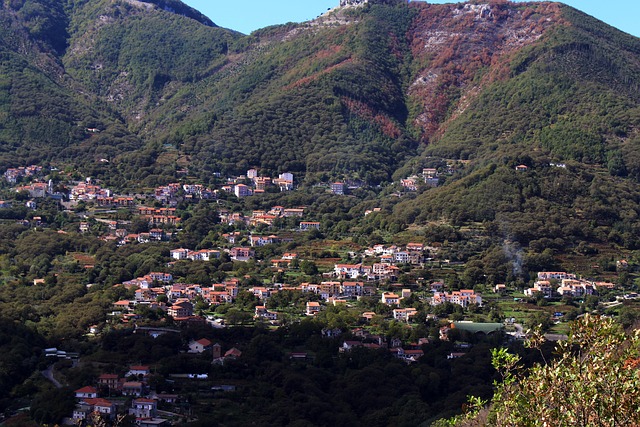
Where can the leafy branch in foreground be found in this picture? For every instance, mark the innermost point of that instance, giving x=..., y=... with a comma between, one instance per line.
x=593, y=381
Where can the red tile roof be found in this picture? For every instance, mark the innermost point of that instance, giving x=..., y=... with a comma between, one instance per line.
x=99, y=402
x=108, y=376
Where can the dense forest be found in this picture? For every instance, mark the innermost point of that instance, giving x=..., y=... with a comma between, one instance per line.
x=360, y=100
x=371, y=99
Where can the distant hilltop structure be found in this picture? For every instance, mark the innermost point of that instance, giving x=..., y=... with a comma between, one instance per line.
x=361, y=2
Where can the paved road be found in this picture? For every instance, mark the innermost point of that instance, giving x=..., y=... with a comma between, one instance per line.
x=48, y=374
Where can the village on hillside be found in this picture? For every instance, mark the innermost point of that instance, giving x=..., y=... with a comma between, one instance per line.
x=275, y=269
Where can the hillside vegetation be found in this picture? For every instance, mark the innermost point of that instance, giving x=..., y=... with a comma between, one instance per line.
x=373, y=93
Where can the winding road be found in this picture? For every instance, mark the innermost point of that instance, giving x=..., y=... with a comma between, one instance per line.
x=48, y=374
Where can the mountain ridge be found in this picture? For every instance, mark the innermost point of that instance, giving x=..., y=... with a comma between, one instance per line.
x=373, y=93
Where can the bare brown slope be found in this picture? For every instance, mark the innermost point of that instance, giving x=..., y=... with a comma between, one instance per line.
x=461, y=48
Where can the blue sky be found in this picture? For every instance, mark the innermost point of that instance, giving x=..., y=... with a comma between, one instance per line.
x=248, y=15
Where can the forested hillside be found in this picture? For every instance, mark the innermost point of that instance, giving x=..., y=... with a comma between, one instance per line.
x=133, y=92
x=356, y=93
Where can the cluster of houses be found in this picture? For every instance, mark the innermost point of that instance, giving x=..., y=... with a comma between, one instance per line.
x=429, y=177
x=386, y=268
x=336, y=293
x=353, y=281
x=333, y=293
x=172, y=193
x=39, y=190
x=144, y=407
x=377, y=271
x=267, y=217
x=107, y=398
x=180, y=297
x=36, y=189
x=255, y=240
x=560, y=283
x=87, y=191
x=117, y=233
x=219, y=358
x=257, y=184
x=12, y=175
x=149, y=288
x=201, y=255
x=159, y=216
x=408, y=352
x=169, y=195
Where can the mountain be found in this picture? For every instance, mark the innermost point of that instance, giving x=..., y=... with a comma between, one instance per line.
x=565, y=104
x=375, y=92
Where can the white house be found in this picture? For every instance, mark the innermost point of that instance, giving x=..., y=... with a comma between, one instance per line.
x=179, y=253
x=144, y=408
x=199, y=346
x=348, y=271
x=86, y=392
x=262, y=312
x=390, y=298
x=404, y=314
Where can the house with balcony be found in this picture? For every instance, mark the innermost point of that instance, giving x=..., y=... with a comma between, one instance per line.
x=103, y=407
x=261, y=312
x=558, y=275
x=109, y=381
x=144, y=408
x=242, y=254
x=463, y=298
x=241, y=190
x=350, y=289
x=86, y=392
x=347, y=271
x=390, y=298
x=180, y=309
x=404, y=314
x=133, y=388
x=313, y=307
x=337, y=188
x=542, y=287
x=309, y=225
